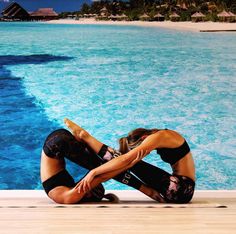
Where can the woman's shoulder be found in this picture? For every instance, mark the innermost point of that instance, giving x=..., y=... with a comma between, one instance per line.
x=168, y=132
x=154, y=140
x=164, y=138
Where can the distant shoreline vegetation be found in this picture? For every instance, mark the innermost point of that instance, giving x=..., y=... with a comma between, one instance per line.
x=157, y=10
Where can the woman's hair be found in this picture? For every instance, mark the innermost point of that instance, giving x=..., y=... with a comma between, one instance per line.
x=134, y=139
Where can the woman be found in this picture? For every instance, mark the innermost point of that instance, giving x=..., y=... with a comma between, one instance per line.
x=58, y=183
x=177, y=187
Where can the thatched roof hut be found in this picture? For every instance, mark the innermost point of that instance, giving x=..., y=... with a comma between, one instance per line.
x=159, y=17
x=44, y=14
x=123, y=17
x=118, y=17
x=144, y=17
x=104, y=9
x=15, y=12
x=197, y=17
x=201, y=15
x=104, y=12
x=89, y=15
x=174, y=17
x=232, y=14
x=226, y=16
x=233, y=17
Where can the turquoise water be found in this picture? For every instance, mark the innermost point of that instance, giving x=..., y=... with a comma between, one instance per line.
x=110, y=80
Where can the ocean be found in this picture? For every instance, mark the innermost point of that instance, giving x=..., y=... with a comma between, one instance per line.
x=110, y=80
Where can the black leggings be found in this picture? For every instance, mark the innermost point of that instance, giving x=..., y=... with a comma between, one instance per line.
x=62, y=144
x=173, y=188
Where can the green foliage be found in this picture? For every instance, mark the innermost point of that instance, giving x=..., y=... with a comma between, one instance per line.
x=133, y=14
x=185, y=16
x=134, y=8
x=233, y=8
x=85, y=9
x=204, y=8
x=64, y=15
x=212, y=17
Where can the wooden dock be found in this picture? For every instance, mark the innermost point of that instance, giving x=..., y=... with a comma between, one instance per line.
x=32, y=212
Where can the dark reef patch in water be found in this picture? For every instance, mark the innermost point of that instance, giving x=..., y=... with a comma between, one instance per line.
x=24, y=126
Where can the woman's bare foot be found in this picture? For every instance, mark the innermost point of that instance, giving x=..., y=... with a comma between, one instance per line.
x=79, y=133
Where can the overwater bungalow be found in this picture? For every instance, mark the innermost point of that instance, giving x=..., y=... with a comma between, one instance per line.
x=15, y=12
x=174, y=17
x=198, y=17
x=159, y=17
x=44, y=14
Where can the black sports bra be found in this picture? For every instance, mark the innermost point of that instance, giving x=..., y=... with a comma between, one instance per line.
x=173, y=155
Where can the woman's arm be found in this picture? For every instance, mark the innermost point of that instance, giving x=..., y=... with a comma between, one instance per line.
x=160, y=139
x=122, y=162
x=125, y=161
x=86, y=182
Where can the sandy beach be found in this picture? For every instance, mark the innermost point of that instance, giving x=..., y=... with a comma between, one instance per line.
x=189, y=26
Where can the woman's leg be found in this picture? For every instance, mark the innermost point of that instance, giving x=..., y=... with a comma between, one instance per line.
x=149, y=174
x=173, y=188
x=177, y=189
x=58, y=188
x=63, y=144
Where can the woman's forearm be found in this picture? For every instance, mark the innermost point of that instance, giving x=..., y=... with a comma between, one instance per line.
x=125, y=160
x=109, y=175
x=122, y=162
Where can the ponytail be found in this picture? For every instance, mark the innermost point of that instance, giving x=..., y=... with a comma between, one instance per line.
x=134, y=139
x=123, y=145
x=112, y=197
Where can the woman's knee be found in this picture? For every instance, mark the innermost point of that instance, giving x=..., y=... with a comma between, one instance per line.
x=178, y=191
x=67, y=197
x=71, y=199
x=59, y=132
x=71, y=195
x=57, y=143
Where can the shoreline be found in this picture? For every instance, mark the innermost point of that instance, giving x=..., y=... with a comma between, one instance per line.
x=184, y=26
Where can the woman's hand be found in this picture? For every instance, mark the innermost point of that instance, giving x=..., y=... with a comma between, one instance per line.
x=85, y=184
x=79, y=133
